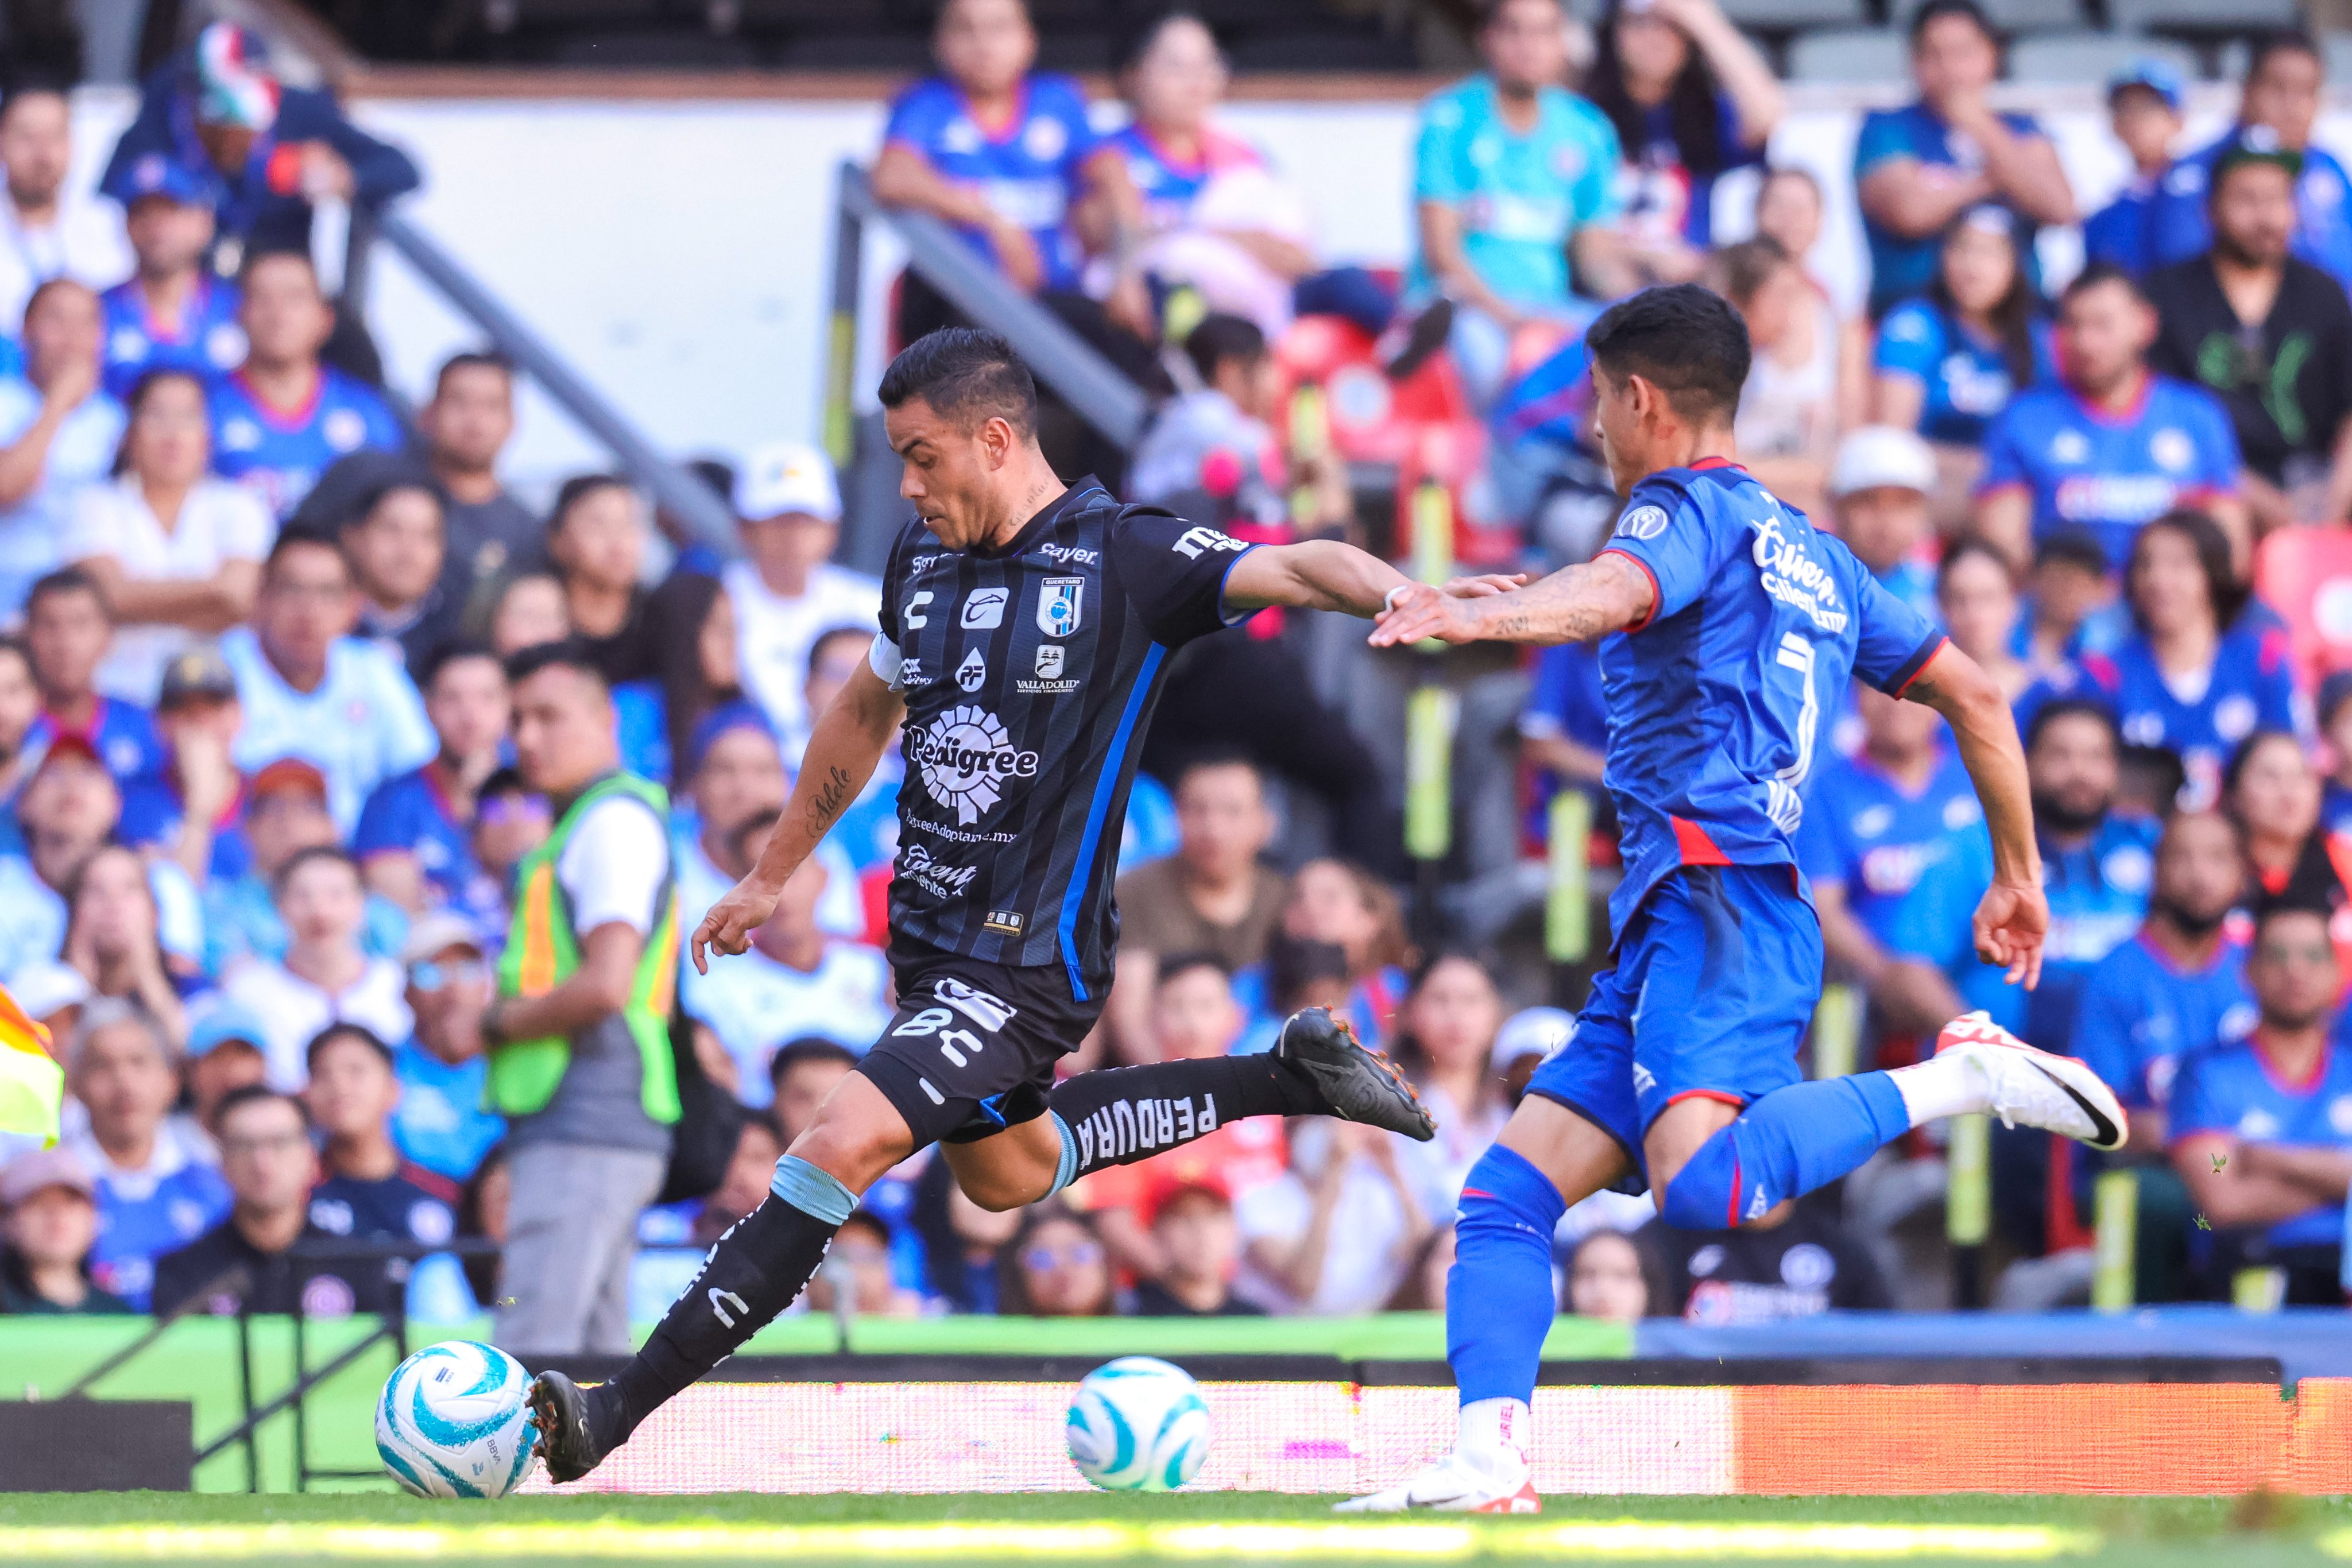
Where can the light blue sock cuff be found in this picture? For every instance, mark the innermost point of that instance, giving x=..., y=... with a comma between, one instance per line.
x=1069, y=1165
x=813, y=1192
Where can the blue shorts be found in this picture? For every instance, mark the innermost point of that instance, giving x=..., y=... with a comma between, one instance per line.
x=1716, y=976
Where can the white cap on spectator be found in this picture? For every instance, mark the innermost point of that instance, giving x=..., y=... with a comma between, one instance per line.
x=787, y=476
x=46, y=986
x=1881, y=456
x=1534, y=1031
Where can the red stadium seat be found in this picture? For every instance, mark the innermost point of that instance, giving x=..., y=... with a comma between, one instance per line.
x=2306, y=574
x=1453, y=454
x=1371, y=419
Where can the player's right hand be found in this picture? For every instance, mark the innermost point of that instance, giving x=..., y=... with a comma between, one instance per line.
x=726, y=929
x=1422, y=613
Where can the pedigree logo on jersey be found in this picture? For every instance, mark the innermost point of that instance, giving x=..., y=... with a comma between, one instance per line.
x=965, y=754
x=1793, y=577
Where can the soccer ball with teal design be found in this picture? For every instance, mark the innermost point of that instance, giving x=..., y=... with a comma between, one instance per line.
x=452, y=1423
x=1138, y=1424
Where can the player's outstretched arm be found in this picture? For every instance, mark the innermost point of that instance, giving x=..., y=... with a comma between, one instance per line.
x=847, y=741
x=1314, y=574
x=2013, y=918
x=1576, y=604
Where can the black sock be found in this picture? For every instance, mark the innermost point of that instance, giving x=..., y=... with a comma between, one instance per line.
x=753, y=1273
x=1122, y=1114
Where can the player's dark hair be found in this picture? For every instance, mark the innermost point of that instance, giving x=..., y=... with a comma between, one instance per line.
x=1178, y=964
x=807, y=1047
x=343, y=1029
x=569, y=653
x=1976, y=546
x=1936, y=10
x=576, y=489
x=967, y=375
x=472, y=360
x=64, y=579
x=1685, y=340
x=2075, y=547
x=291, y=539
x=2061, y=708
x=1221, y=339
x=2233, y=772
x=310, y=855
x=2098, y=274
x=455, y=651
x=1693, y=105
x=2012, y=315
x=244, y=1094
x=2273, y=42
x=2223, y=593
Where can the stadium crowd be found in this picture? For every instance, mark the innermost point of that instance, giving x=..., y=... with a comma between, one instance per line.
x=332, y=771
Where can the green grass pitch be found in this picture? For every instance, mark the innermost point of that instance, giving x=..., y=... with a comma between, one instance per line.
x=1038, y=1531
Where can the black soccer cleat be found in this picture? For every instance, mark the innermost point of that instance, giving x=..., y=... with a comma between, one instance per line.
x=1356, y=1082
x=568, y=1445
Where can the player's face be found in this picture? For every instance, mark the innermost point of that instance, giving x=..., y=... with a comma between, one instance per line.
x=61, y=329
x=467, y=704
x=67, y=635
x=286, y=319
x=1626, y=419
x=1180, y=81
x=2285, y=95
x=167, y=237
x=2198, y=869
x=956, y=477
x=2253, y=214
x=1954, y=59
x=2293, y=971
x=351, y=1091
x=170, y=435
x=2103, y=332
x=1526, y=45
x=985, y=46
x=35, y=146
x=563, y=729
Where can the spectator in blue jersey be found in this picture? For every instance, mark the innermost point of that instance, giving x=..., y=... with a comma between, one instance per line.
x=1515, y=194
x=2110, y=444
x=172, y=312
x=440, y=1123
x=2199, y=672
x=2181, y=986
x=312, y=690
x=2271, y=336
x=285, y=814
x=367, y=1189
x=1005, y=154
x=157, y=1187
x=2260, y=1123
x=414, y=834
x=48, y=1222
x=57, y=434
x=2071, y=604
x=284, y=415
x=1879, y=824
x=67, y=635
x=194, y=811
x=1918, y=167
x=265, y=151
x=1947, y=362
x=397, y=545
x=2333, y=709
x=2144, y=111
x=1881, y=482
x=175, y=551
x=1690, y=98
x=2285, y=74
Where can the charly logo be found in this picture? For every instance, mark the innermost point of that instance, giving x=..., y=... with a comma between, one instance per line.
x=966, y=754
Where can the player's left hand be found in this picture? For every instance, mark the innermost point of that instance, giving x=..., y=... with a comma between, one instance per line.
x=1422, y=612
x=2010, y=926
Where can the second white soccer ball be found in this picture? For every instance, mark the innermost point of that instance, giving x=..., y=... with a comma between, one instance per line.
x=1138, y=1424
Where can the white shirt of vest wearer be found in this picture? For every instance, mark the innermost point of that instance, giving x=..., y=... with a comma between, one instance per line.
x=219, y=522
x=292, y=1010
x=364, y=723
x=85, y=243
x=612, y=867
x=773, y=635
x=754, y=1004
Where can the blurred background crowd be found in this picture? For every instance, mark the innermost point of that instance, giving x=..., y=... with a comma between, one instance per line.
x=269, y=788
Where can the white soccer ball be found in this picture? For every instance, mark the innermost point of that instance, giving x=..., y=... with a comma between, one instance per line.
x=453, y=1422
x=1138, y=1424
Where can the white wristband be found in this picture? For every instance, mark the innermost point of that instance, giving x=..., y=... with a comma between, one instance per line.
x=1388, y=601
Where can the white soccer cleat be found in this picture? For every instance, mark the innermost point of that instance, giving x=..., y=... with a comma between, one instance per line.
x=2025, y=1087
x=1452, y=1485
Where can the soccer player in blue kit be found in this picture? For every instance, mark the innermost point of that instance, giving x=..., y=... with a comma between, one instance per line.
x=1741, y=623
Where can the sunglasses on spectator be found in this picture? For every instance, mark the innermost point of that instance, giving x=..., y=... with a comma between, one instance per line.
x=434, y=976
x=1076, y=1255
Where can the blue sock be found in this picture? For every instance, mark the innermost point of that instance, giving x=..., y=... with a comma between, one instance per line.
x=1498, y=1294
x=1786, y=1143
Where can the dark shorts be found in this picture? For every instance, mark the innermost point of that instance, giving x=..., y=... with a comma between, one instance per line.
x=972, y=1048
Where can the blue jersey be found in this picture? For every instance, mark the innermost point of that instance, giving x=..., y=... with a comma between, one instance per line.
x=2233, y=1091
x=141, y=1219
x=279, y=452
x=1520, y=199
x=122, y=734
x=2335, y=807
x=2123, y=233
x=440, y=1123
x=205, y=340
x=155, y=814
x=1967, y=378
x=414, y=811
x=2250, y=687
x=1914, y=583
x=411, y=1205
x=1170, y=184
x=1660, y=194
x=1028, y=168
x=2140, y=1013
x=1864, y=831
x=1900, y=267
x=1717, y=701
x=2180, y=226
x=2085, y=467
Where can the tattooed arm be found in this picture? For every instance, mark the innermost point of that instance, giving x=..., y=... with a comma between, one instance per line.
x=1605, y=594
x=2014, y=917
x=848, y=740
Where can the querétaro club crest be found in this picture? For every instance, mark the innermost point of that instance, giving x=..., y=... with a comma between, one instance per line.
x=964, y=753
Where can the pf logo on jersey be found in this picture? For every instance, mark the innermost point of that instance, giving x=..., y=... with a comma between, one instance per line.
x=965, y=753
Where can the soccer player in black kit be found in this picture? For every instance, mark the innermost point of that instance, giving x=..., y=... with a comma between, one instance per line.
x=1026, y=629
